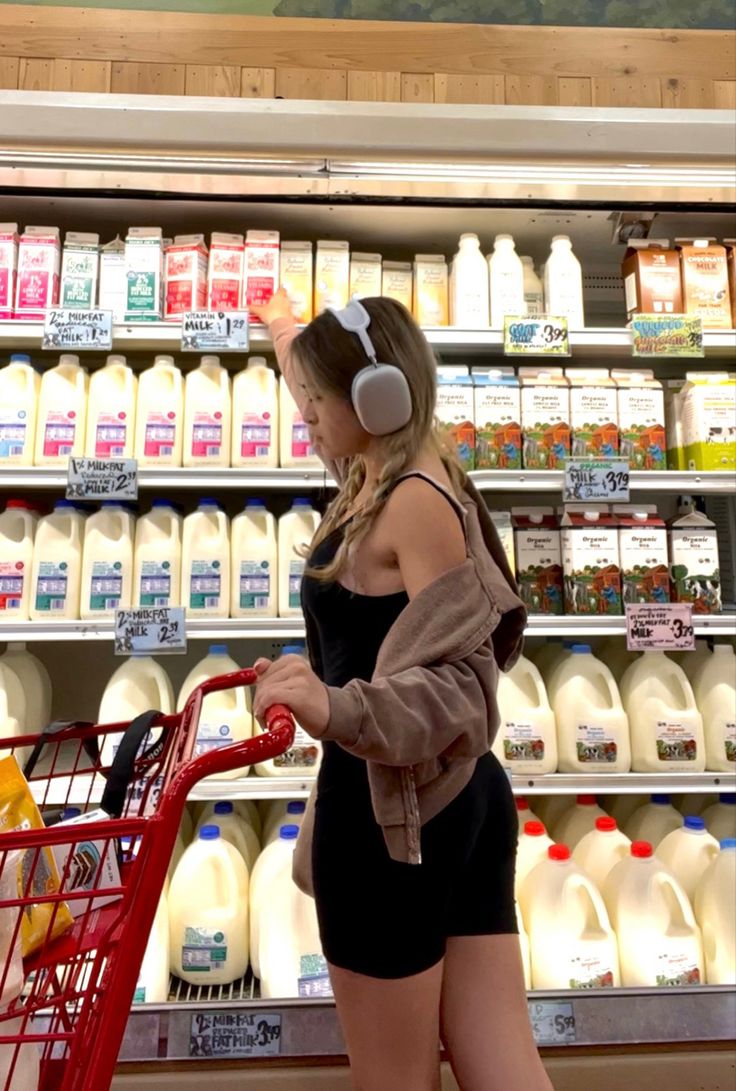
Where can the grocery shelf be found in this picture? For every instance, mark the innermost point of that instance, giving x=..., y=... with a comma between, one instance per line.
x=547, y=625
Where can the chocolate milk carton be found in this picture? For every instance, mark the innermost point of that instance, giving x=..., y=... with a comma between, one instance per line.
x=538, y=546
x=730, y=245
x=641, y=421
x=705, y=282
x=8, y=268
x=37, y=284
x=642, y=542
x=651, y=272
x=590, y=560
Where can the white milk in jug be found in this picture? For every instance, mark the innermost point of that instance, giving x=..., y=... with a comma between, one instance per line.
x=208, y=912
x=289, y=812
x=688, y=852
x=549, y=655
x=234, y=829
x=506, y=278
x=159, y=421
x=469, y=295
x=17, y=531
x=303, y=757
x=56, y=575
x=622, y=807
x=12, y=708
x=205, y=565
x=295, y=445
x=157, y=557
x=254, y=561
x=572, y=943
x=715, y=694
x=693, y=662
x=107, y=564
x=255, y=417
x=62, y=410
x=578, y=820
x=524, y=813
x=613, y=652
x=551, y=809
x=653, y=820
x=659, y=941
x=113, y=392
x=34, y=678
x=152, y=986
x=720, y=817
x=207, y=413
x=268, y=864
x=526, y=742
x=592, y=727
x=226, y=716
x=533, y=844
x=140, y=684
x=666, y=727
x=715, y=912
x=526, y=959
x=563, y=283
x=599, y=850
x=296, y=530
x=21, y=387
x=246, y=809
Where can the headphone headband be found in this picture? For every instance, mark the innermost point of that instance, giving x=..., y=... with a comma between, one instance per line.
x=355, y=319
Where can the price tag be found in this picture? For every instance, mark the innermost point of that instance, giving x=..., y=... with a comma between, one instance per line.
x=667, y=335
x=223, y=331
x=77, y=330
x=597, y=479
x=150, y=629
x=666, y=628
x=102, y=479
x=235, y=1034
x=553, y=1022
x=544, y=335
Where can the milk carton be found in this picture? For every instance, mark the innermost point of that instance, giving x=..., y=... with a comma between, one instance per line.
x=79, y=269
x=37, y=284
x=694, y=564
x=705, y=282
x=730, y=245
x=398, y=282
x=261, y=278
x=590, y=560
x=593, y=413
x=673, y=423
x=640, y=405
x=708, y=421
x=538, y=559
x=144, y=265
x=113, y=291
x=642, y=541
x=505, y=530
x=365, y=275
x=8, y=268
x=651, y=272
x=431, y=301
x=331, y=275
x=455, y=411
x=185, y=275
x=497, y=414
x=545, y=417
x=297, y=279
x=225, y=272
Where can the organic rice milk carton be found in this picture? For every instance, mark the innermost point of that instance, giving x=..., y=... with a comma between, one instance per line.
x=261, y=278
x=590, y=560
x=694, y=563
x=455, y=411
x=80, y=264
x=8, y=268
x=651, y=272
x=497, y=414
x=705, y=282
x=431, y=300
x=297, y=266
x=538, y=547
x=365, y=275
x=398, y=282
x=113, y=287
x=144, y=266
x=331, y=275
x=708, y=421
x=545, y=417
x=642, y=541
x=185, y=276
x=225, y=272
x=593, y=413
x=37, y=283
x=641, y=420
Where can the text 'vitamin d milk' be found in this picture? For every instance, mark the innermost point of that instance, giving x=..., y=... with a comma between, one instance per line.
x=592, y=726
x=107, y=564
x=666, y=727
x=56, y=575
x=205, y=565
x=21, y=385
x=254, y=560
x=255, y=417
x=526, y=742
x=159, y=423
x=207, y=413
x=157, y=557
x=62, y=409
x=296, y=530
x=17, y=531
x=226, y=715
x=113, y=392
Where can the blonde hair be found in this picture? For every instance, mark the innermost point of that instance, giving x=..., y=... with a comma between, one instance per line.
x=331, y=358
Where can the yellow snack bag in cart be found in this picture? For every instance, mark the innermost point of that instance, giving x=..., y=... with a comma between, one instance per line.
x=18, y=811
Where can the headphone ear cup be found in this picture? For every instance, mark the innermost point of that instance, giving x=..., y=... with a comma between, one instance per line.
x=382, y=399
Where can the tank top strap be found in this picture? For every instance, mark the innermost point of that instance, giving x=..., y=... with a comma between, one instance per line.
x=449, y=496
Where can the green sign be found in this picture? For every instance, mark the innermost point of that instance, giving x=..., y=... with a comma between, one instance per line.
x=667, y=335
x=543, y=335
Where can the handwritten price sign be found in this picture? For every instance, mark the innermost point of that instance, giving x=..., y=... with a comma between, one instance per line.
x=235, y=1034
x=78, y=330
x=102, y=479
x=221, y=331
x=667, y=628
x=153, y=630
x=540, y=336
x=597, y=479
x=667, y=335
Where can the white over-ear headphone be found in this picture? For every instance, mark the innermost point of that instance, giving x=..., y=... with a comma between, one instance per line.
x=380, y=393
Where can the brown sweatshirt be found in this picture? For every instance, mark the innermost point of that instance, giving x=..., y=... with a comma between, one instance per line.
x=430, y=710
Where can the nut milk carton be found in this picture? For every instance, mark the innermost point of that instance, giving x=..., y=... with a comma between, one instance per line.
x=593, y=413
x=297, y=280
x=398, y=282
x=185, y=276
x=331, y=275
x=455, y=411
x=8, y=268
x=431, y=299
x=694, y=563
x=225, y=274
x=79, y=270
x=590, y=560
x=37, y=284
x=642, y=541
x=545, y=417
x=365, y=275
x=144, y=267
x=497, y=408
x=538, y=559
x=641, y=420
x=651, y=272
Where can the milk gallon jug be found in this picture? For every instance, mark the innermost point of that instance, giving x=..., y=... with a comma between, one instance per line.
x=62, y=411
x=577, y=821
x=20, y=384
x=205, y=565
x=268, y=864
x=693, y=662
x=623, y=806
x=592, y=727
x=551, y=809
x=598, y=852
x=613, y=652
x=17, y=532
x=563, y=283
x=666, y=727
x=526, y=742
x=254, y=560
x=246, y=810
x=506, y=275
x=56, y=575
x=715, y=694
x=572, y=944
x=715, y=912
x=240, y=834
x=207, y=414
x=303, y=757
x=138, y=685
x=12, y=707
x=469, y=297
x=653, y=821
x=296, y=530
x=289, y=812
x=532, y=849
x=658, y=939
x=552, y=652
x=296, y=448
x=36, y=684
x=688, y=852
x=720, y=817
x=157, y=557
x=208, y=912
x=524, y=813
x=107, y=565
x=152, y=986
x=111, y=410
x=255, y=427
x=159, y=420
x=226, y=715
x=533, y=289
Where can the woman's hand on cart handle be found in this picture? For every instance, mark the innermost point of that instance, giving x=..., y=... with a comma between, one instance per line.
x=291, y=681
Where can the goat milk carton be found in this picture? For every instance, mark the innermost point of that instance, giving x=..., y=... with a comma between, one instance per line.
x=331, y=275
x=642, y=542
x=37, y=283
x=185, y=276
x=225, y=274
x=261, y=281
x=455, y=411
x=590, y=560
x=694, y=564
x=365, y=275
x=144, y=269
x=8, y=268
x=497, y=408
x=641, y=420
x=80, y=265
x=113, y=288
x=538, y=547
x=705, y=282
x=431, y=298
x=545, y=417
x=707, y=406
x=593, y=413
x=398, y=282
x=296, y=278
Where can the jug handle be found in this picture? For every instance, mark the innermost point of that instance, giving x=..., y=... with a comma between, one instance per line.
x=539, y=686
x=595, y=902
x=683, y=902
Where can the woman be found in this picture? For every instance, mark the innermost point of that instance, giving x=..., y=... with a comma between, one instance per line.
x=410, y=610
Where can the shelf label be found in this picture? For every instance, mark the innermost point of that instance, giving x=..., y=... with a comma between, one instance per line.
x=235, y=1034
x=102, y=479
x=597, y=479
x=153, y=630
x=545, y=335
x=553, y=1022
x=667, y=335
x=666, y=628
x=77, y=330
x=207, y=331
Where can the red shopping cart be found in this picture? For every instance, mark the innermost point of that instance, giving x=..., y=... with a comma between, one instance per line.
x=78, y=987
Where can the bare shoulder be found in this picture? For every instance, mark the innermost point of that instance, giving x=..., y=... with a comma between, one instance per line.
x=425, y=532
